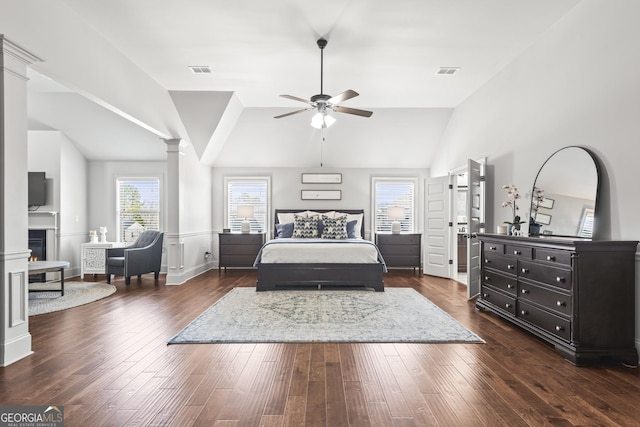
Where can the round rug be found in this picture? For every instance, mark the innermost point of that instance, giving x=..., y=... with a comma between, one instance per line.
x=75, y=294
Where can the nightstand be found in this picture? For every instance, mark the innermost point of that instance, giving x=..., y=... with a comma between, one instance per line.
x=92, y=256
x=400, y=250
x=239, y=250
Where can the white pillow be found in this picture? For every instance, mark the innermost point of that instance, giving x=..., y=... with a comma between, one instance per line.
x=284, y=218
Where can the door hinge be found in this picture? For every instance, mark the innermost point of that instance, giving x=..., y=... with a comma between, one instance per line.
x=483, y=178
x=450, y=224
x=450, y=261
x=450, y=186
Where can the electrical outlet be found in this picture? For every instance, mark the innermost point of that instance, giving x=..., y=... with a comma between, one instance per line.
x=207, y=254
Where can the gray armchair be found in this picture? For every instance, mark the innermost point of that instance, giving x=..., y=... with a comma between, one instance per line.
x=143, y=256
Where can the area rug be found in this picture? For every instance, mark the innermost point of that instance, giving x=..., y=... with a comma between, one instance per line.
x=396, y=315
x=75, y=294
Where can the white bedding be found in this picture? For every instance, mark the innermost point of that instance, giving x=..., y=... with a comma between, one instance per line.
x=349, y=251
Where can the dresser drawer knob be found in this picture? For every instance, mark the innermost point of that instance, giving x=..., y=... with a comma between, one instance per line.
x=559, y=279
x=525, y=270
x=559, y=328
x=485, y=295
x=493, y=248
x=517, y=252
x=507, y=305
x=486, y=261
x=560, y=303
x=510, y=286
x=510, y=266
x=524, y=291
x=551, y=258
x=524, y=312
x=486, y=278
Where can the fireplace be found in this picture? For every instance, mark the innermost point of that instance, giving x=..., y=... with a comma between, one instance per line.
x=38, y=246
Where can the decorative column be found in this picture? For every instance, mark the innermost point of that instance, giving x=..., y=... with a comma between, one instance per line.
x=174, y=244
x=15, y=340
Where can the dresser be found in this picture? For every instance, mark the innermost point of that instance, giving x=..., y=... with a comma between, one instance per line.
x=239, y=250
x=400, y=250
x=93, y=256
x=577, y=295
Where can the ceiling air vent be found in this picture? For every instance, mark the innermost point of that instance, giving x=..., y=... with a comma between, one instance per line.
x=447, y=71
x=200, y=69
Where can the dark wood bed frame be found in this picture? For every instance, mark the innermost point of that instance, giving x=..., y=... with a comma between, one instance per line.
x=318, y=275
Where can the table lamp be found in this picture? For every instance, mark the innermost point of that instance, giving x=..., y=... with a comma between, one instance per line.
x=395, y=213
x=245, y=212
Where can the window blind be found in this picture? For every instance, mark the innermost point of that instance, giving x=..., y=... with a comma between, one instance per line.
x=389, y=193
x=247, y=192
x=138, y=207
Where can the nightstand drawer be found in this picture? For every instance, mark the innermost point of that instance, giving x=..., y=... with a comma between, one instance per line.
x=398, y=239
x=239, y=250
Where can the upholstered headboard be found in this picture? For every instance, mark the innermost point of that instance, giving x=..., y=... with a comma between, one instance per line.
x=347, y=211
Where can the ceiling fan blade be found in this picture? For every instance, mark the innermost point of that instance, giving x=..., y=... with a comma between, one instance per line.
x=347, y=94
x=292, y=113
x=295, y=98
x=363, y=113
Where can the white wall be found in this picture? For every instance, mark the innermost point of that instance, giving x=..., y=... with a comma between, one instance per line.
x=102, y=191
x=66, y=172
x=286, y=184
x=577, y=85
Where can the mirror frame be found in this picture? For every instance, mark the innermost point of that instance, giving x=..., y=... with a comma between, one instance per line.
x=596, y=209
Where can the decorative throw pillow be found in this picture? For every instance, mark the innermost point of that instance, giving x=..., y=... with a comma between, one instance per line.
x=305, y=228
x=351, y=229
x=334, y=228
x=284, y=230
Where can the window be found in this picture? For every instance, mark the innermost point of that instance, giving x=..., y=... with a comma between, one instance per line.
x=247, y=192
x=393, y=192
x=138, y=207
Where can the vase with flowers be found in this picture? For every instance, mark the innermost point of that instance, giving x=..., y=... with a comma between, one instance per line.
x=538, y=197
x=511, y=202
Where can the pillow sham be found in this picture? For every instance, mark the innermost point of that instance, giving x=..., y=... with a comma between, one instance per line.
x=284, y=218
x=334, y=228
x=358, y=227
x=305, y=228
x=284, y=231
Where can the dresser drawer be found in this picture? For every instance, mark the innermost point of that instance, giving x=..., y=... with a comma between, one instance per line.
x=499, y=300
x=490, y=247
x=521, y=252
x=398, y=239
x=500, y=262
x=552, y=300
x=545, y=320
x=241, y=239
x=551, y=275
x=504, y=283
x=552, y=255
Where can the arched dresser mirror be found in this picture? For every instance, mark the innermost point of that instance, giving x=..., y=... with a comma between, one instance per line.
x=564, y=199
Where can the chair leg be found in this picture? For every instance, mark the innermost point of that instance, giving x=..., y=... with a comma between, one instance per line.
x=127, y=280
x=139, y=276
x=156, y=274
x=108, y=278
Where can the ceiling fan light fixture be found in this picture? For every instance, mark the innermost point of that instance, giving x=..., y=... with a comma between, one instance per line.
x=322, y=120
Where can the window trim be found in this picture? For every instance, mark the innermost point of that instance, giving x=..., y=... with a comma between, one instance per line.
x=247, y=178
x=145, y=177
x=414, y=180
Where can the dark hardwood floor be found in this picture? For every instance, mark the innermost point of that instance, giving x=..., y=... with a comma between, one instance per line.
x=108, y=364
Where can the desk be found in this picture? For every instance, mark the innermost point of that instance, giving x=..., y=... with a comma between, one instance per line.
x=39, y=267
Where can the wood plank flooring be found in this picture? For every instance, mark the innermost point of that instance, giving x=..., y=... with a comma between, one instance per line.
x=109, y=365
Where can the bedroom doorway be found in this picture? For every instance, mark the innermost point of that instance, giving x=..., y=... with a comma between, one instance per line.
x=454, y=214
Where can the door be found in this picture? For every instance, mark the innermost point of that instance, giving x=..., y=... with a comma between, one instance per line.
x=437, y=233
x=475, y=224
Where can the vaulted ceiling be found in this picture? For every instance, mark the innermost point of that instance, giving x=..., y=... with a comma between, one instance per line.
x=389, y=52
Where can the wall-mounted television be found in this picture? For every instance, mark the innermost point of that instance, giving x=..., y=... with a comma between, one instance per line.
x=37, y=189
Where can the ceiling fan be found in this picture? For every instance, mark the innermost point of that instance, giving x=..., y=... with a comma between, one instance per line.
x=323, y=103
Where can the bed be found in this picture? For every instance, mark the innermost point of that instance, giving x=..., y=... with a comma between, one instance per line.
x=291, y=261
